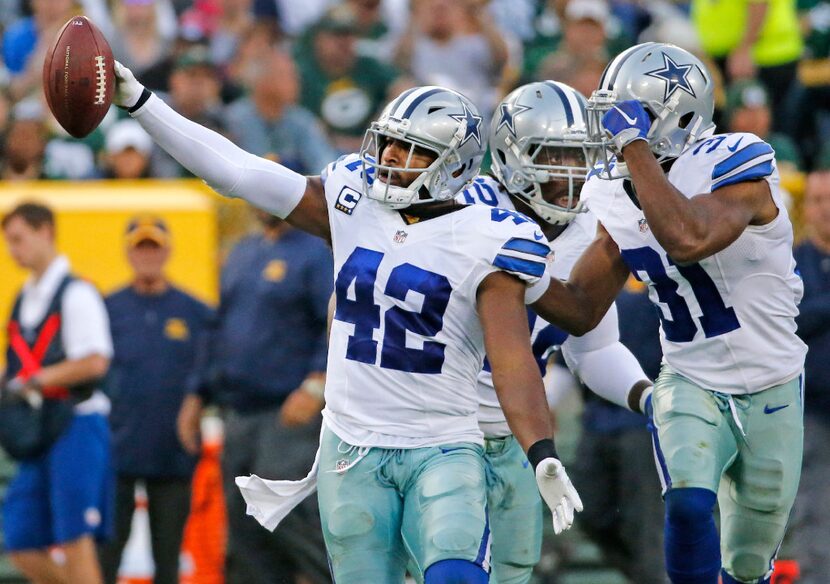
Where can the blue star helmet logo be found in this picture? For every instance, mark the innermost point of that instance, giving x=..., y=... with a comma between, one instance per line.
x=473, y=122
x=506, y=117
x=676, y=77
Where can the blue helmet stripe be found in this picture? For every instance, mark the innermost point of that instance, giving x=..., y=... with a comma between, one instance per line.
x=400, y=100
x=569, y=112
x=418, y=100
x=609, y=76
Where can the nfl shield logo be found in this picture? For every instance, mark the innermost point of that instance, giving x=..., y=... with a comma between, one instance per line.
x=643, y=224
x=341, y=465
x=400, y=236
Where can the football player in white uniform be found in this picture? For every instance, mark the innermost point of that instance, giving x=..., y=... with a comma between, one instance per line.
x=422, y=286
x=539, y=167
x=700, y=218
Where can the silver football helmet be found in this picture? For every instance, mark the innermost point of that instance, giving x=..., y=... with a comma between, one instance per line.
x=438, y=120
x=536, y=137
x=675, y=89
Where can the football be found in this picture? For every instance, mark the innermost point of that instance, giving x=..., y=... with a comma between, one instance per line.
x=78, y=77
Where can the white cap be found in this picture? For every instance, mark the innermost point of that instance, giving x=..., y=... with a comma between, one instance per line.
x=128, y=134
x=596, y=10
x=29, y=109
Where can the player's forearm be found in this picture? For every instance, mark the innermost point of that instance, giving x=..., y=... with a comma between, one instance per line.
x=73, y=372
x=227, y=168
x=679, y=225
x=516, y=377
x=579, y=305
x=522, y=398
x=568, y=307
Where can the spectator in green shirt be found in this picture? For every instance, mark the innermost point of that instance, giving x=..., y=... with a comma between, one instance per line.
x=344, y=89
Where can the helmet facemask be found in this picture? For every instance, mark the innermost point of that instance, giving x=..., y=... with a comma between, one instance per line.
x=545, y=161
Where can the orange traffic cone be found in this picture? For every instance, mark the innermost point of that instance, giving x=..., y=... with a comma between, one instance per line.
x=205, y=534
x=786, y=572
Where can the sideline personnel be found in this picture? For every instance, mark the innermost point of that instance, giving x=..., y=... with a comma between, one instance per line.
x=158, y=332
x=59, y=347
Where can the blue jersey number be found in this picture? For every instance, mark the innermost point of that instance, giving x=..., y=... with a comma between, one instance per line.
x=717, y=318
x=484, y=192
x=356, y=165
x=361, y=269
x=712, y=143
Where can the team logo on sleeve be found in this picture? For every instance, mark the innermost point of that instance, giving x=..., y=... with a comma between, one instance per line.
x=347, y=200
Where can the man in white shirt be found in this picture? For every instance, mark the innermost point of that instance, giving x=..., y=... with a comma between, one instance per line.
x=59, y=347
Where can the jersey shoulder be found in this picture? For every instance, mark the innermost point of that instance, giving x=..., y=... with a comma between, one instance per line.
x=586, y=224
x=485, y=190
x=598, y=194
x=343, y=182
x=569, y=245
x=724, y=159
x=506, y=240
x=578, y=234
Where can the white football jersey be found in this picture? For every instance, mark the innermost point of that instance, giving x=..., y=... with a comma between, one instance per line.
x=544, y=337
x=728, y=321
x=406, y=344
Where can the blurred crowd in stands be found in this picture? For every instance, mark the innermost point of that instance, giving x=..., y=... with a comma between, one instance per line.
x=300, y=79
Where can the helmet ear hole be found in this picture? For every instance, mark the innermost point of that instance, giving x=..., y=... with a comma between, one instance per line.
x=502, y=157
x=685, y=120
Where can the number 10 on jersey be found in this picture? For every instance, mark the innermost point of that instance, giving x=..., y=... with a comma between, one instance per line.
x=359, y=272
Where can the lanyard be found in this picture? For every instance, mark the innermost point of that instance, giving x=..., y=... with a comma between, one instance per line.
x=32, y=357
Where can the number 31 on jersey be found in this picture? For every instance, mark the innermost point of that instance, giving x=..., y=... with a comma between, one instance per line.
x=717, y=318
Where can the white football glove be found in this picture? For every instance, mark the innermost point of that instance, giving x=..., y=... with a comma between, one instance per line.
x=127, y=88
x=558, y=492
